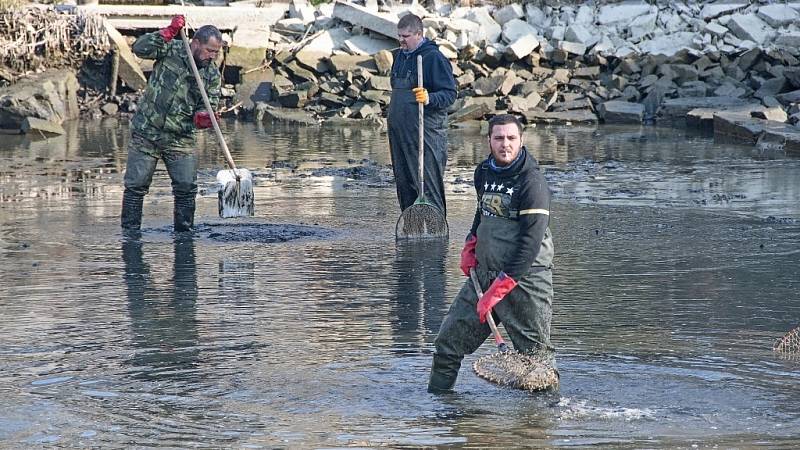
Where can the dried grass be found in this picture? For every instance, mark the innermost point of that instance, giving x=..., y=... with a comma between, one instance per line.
x=33, y=38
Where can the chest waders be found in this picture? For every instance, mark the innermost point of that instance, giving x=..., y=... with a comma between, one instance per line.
x=526, y=311
x=403, y=121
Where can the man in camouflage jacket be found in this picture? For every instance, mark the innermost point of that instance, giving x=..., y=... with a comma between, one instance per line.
x=168, y=113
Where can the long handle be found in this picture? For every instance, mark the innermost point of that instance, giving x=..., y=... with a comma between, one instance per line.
x=498, y=338
x=421, y=132
x=208, y=103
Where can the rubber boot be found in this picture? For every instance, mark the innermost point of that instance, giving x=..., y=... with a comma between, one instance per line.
x=444, y=372
x=184, y=214
x=131, y=210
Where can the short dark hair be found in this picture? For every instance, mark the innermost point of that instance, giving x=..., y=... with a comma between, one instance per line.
x=504, y=119
x=411, y=23
x=206, y=32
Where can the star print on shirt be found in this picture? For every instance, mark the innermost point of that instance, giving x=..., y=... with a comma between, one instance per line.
x=510, y=191
x=500, y=187
x=486, y=186
x=494, y=185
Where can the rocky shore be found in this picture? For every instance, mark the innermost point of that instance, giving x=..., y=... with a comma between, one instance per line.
x=729, y=68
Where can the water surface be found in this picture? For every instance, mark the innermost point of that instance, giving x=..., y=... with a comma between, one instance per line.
x=677, y=267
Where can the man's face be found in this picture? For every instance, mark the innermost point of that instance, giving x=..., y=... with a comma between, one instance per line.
x=505, y=143
x=205, y=53
x=409, y=40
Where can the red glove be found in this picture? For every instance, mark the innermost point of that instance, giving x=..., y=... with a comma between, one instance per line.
x=203, y=120
x=468, y=259
x=501, y=286
x=173, y=29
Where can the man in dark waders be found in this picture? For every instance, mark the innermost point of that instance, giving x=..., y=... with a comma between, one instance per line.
x=437, y=94
x=168, y=113
x=511, y=249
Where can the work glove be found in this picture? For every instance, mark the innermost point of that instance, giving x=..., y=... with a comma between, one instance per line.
x=203, y=120
x=421, y=95
x=468, y=259
x=173, y=29
x=500, y=287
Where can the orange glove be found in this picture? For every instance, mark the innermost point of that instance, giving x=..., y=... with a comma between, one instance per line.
x=173, y=29
x=500, y=287
x=468, y=259
x=421, y=95
x=203, y=120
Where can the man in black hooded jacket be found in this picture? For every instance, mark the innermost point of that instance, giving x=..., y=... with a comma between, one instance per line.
x=511, y=249
x=437, y=93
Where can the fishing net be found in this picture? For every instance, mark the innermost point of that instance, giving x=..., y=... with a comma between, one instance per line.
x=789, y=344
x=421, y=221
x=534, y=371
x=236, y=197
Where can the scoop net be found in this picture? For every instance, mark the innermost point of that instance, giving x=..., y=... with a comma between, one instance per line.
x=789, y=345
x=534, y=371
x=235, y=196
x=421, y=221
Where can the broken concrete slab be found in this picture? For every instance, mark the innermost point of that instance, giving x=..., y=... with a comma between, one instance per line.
x=778, y=15
x=265, y=111
x=153, y=17
x=256, y=88
x=129, y=71
x=621, y=13
x=42, y=127
x=384, y=24
x=365, y=45
x=771, y=114
x=565, y=117
x=737, y=126
x=349, y=63
x=675, y=109
x=470, y=112
x=712, y=11
x=750, y=27
x=615, y=111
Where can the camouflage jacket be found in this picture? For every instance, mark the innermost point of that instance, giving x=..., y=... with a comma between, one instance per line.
x=166, y=110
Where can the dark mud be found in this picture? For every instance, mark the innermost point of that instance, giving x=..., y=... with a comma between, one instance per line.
x=265, y=233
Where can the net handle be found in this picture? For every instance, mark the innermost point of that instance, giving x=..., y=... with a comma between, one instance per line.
x=421, y=127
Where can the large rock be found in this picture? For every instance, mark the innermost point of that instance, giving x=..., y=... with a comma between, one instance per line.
x=256, y=87
x=51, y=96
x=615, y=111
x=358, y=15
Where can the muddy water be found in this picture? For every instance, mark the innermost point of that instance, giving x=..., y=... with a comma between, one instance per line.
x=307, y=326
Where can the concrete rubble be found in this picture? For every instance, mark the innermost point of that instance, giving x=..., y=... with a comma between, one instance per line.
x=634, y=62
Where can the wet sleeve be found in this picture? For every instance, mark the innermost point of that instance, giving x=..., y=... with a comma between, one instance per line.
x=534, y=216
x=150, y=46
x=439, y=81
x=476, y=220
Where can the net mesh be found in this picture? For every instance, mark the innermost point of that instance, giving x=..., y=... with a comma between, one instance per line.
x=789, y=344
x=236, y=197
x=527, y=371
x=421, y=221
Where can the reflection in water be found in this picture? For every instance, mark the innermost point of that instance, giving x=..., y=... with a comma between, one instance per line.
x=164, y=330
x=419, y=291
